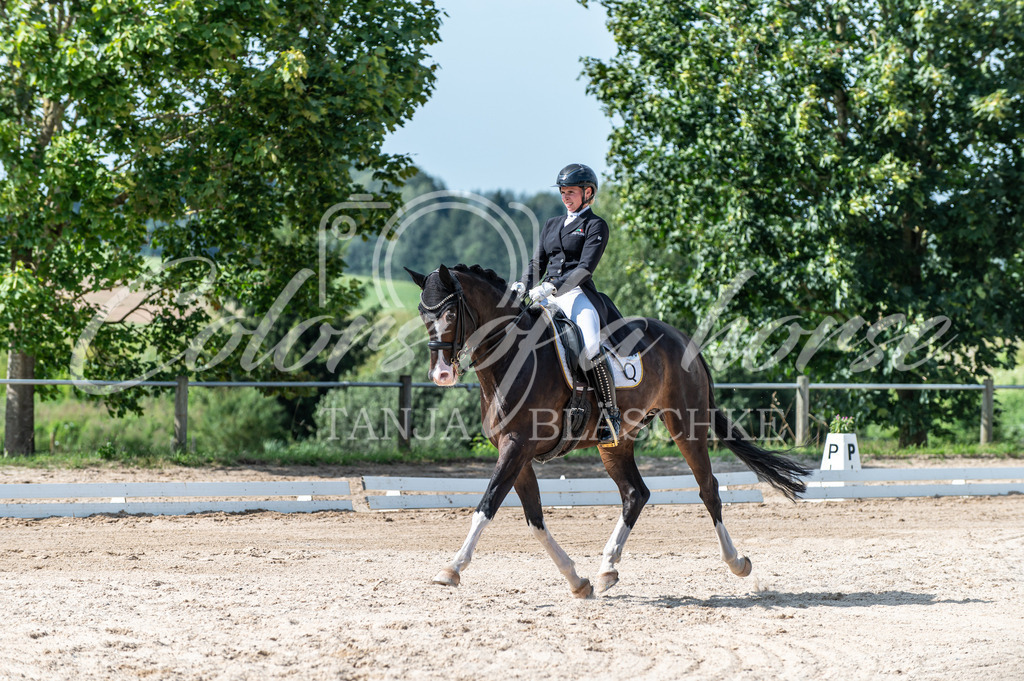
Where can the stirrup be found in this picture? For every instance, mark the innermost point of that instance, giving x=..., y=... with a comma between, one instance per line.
x=608, y=434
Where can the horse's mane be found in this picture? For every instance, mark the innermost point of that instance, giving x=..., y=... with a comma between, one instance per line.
x=490, y=276
x=435, y=294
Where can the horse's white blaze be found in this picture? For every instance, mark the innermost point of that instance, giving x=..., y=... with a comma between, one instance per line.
x=442, y=373
x=561, y=558
x=465, y=554
x=729, y=553
x=613, y=549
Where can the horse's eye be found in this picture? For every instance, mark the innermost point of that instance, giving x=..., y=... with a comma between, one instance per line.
x=449, y=316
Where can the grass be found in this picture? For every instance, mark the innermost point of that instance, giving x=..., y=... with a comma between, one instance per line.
x=280, y=454
x=408, y=295
x=274, y=454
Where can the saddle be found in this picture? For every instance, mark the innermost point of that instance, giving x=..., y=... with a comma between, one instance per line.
x=627, y=371
x=569, y=343
x=576, y=412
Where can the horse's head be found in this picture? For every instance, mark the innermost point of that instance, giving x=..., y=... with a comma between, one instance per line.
x=445, y=313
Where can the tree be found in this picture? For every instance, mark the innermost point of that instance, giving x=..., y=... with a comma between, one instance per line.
x=216, y=134
x=438, y=226
x=626, y=271
x=865, y=159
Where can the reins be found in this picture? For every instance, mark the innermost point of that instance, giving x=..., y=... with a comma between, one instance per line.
x=503, y=330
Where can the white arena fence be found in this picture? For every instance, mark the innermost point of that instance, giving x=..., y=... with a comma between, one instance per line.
x=40, y=500
x=394, y=493
x=378, y=494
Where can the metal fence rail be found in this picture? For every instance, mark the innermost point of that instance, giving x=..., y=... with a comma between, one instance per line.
x=802, y=386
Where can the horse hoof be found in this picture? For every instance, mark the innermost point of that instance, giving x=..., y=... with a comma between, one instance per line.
x=745, y=569
x=607, y=580
x=447, y=577
x=584, y=590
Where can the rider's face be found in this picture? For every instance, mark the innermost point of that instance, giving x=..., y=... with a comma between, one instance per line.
x=572, y=197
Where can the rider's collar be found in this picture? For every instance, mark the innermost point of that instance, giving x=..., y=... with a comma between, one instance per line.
x=569, y=217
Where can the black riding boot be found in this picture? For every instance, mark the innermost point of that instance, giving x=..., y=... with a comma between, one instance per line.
x=608, y=416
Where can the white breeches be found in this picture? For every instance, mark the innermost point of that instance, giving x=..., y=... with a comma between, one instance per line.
x=577, y=307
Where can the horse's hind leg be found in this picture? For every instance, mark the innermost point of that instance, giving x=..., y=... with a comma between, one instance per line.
x=621, y=466
x=529, y=495
x=691, y=436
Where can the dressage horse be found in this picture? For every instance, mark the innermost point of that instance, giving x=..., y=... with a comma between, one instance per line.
x=469, y=312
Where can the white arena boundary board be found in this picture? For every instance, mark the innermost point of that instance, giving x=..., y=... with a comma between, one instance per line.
x=413, y=493
x=423, y=493
x=875, y=483
x=392, y=493
x=150, y=498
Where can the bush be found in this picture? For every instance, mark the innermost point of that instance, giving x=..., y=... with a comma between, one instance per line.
x=234, y=419
x=354, y=419
x=220, y=419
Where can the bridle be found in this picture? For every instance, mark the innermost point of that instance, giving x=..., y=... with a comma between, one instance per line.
x=457, y=346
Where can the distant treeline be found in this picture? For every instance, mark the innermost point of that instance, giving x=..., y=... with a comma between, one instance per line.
x=435, y=232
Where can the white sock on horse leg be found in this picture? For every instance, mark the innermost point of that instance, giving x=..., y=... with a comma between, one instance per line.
x=561, y=558
x=465, y=554
x=613, y=549
x=729, y=553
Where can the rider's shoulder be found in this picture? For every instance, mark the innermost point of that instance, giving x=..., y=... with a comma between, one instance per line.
x=595, y=220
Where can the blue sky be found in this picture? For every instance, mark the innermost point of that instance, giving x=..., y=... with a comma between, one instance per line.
x=509, y=109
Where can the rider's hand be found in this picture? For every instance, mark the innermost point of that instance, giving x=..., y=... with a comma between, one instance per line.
x=541, y=293
x=518, y=288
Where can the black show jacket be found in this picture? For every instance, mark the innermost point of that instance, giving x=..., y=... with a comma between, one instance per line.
x=567, y=256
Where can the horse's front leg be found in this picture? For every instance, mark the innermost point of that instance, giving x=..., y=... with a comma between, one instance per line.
x=529, y=495
x=511, y=460
x=621, y=466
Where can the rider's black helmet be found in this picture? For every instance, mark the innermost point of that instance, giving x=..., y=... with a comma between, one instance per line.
x=577, y=175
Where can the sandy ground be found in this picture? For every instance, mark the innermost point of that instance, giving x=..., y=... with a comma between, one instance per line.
x=908, y=589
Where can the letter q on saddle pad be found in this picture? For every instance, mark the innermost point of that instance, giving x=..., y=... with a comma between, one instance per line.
x=400, y=493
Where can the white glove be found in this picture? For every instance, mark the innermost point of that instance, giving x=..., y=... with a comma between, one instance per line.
x=518, y=288
x=540, y=293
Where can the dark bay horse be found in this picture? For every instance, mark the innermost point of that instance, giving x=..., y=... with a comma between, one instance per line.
x=468, y=311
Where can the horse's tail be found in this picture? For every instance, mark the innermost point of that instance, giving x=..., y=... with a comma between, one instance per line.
x=778, y=471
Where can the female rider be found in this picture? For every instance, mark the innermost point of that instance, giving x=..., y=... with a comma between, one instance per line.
x=561, y=273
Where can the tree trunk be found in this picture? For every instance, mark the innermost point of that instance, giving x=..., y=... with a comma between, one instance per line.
x=20, y=419
x=913, y=427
